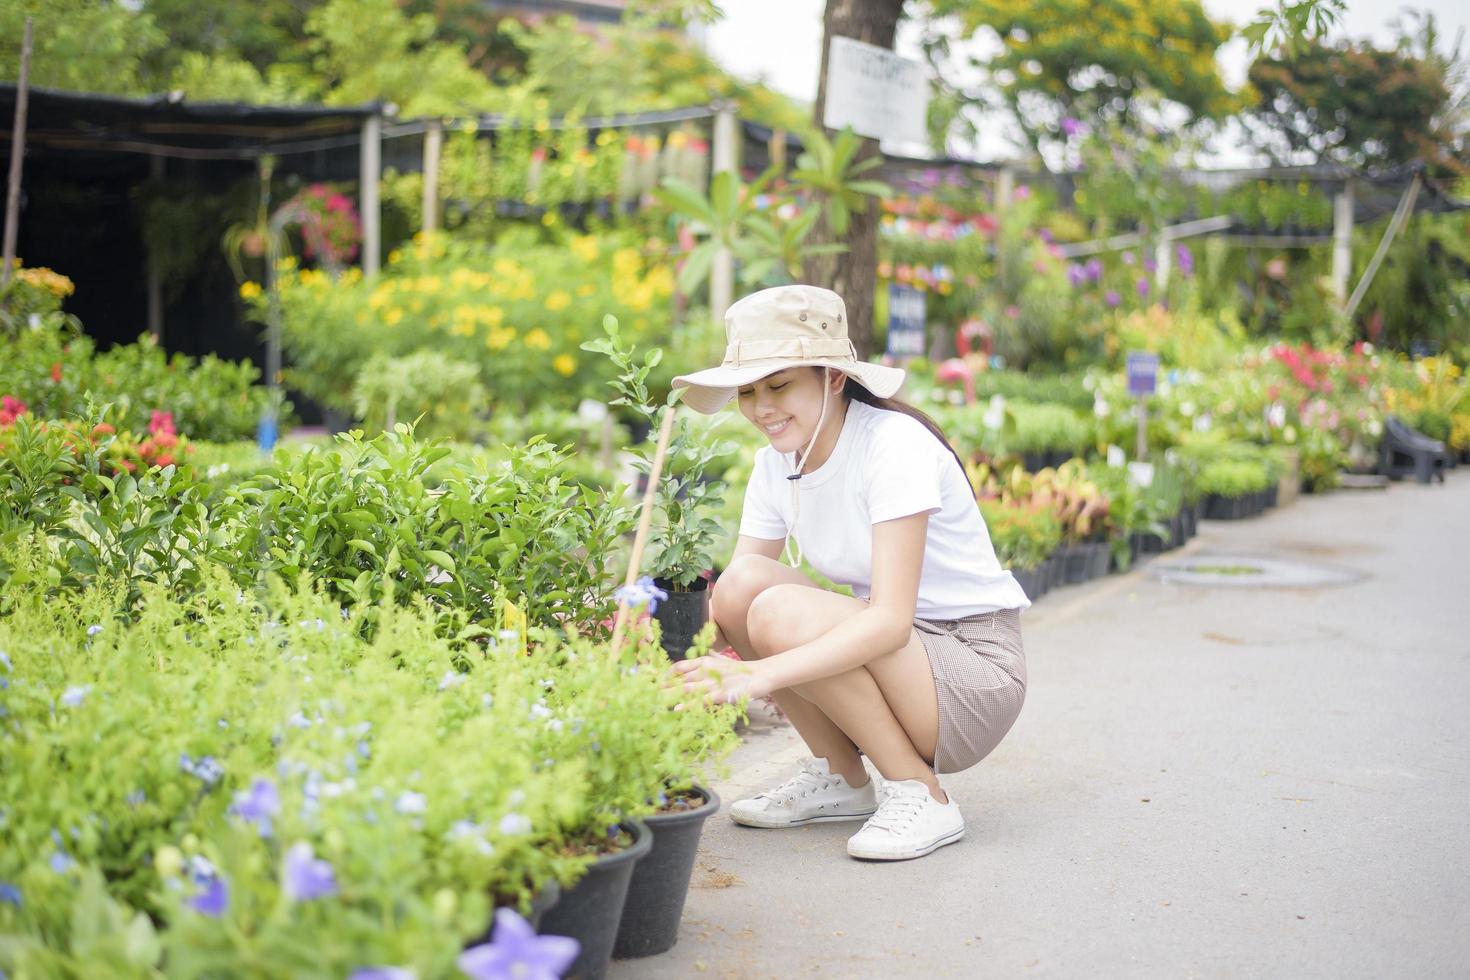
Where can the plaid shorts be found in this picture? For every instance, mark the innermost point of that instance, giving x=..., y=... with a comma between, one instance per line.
x=979, y=668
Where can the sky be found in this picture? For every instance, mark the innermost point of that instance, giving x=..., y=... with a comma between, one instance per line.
x=748, y=44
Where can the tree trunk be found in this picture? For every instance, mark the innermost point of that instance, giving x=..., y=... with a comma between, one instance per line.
x=854, y=273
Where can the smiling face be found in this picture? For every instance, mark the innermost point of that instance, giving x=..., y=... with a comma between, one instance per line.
x=786, y=406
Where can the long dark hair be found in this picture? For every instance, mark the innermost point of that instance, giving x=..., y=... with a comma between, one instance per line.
x=856, y=392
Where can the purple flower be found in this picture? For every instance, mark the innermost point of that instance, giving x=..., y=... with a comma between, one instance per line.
x=1045, y=235
x=307, y=877
x=1112, y=298
x=5, y=659
x=382, y=973
x=1071, y=127
x=60, y=862
x=258, y=804
x=1149, y=265
x=1142, y=287
x=74, y=695
x=207, y=770
x=9, y=893
x=94, y=629
x=1128, y=258
x=1094, y=269
x=213, y=897
x=1185, y=259
x=640, y=593
x=1076, y=275
x=516, y=951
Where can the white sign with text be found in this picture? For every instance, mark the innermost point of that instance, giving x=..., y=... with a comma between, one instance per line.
x=877, y=93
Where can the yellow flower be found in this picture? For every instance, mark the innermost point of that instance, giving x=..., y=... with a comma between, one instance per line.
x=249, y=290
x=538, y=340
x=678, y=138
x=286, y=264
x=564, y=365
x=393, y=317
x=491, y=316
x=549, y=218
x=558, y=301
x=586, y=289
x=584, y=247
x=498, y=338
x=394, y=256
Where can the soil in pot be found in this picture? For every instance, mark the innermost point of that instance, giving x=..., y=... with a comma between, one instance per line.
x=682, y=615
x=590, y=910
x=660, y=883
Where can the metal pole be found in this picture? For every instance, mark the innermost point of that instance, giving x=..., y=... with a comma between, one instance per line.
x=371, y=171
x=1163, y=257
x=1342, y=240
x=155, y=281
x=433, y=147
x=1395, y=225
x=17, y=151
x=722, y=272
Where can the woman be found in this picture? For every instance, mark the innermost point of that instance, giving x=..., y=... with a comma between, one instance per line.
x=923, y=672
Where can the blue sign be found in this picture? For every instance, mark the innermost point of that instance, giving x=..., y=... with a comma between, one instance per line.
x=905, y=322
x=1143, y=373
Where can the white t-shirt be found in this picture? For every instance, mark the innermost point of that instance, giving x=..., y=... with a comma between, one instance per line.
x=886, y=465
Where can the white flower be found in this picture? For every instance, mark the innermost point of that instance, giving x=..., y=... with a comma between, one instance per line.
x=451, y=678
x=515, y=823
x=411, y=802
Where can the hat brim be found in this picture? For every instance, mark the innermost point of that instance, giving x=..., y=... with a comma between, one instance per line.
x=710, y=390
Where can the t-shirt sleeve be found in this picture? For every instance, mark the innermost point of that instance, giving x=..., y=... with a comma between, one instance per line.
x=902, y=471
x=760, y=518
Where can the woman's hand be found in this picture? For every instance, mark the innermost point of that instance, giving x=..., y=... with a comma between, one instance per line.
x=720, y=680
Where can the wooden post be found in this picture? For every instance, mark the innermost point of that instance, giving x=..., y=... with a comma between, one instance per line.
x=1005, y=188
x=777, y=149
x=433, y=147
x=370, y=161
x=17, y=152
x=722, y=272
x=640, y=539
x=1342, y=241
x=155, y=281
x=1163, y=261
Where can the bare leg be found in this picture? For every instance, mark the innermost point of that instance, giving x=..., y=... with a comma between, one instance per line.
x=746, y=578
x=888, y=707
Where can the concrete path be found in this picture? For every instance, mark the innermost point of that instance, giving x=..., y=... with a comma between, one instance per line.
x=1206, y=781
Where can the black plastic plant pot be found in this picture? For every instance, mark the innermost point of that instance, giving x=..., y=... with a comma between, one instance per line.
x=1076, y=560
x=1100, y=561
x=590, y=910
x=1177, y=536
x=660, y=882
x=543, y=900
x=1026, y=579
x=682, y=615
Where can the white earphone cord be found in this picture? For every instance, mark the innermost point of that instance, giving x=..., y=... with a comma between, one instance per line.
x=792, y=551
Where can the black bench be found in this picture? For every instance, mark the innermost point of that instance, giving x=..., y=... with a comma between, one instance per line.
x=1407, y=452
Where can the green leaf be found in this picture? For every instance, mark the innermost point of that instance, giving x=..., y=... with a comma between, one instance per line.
x=361, y=545
x=441, y=558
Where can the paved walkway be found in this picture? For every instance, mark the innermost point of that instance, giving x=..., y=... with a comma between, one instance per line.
x=1206, y=781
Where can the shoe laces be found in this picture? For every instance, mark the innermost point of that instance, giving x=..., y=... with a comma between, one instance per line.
x=897, y=810
x=799, y=785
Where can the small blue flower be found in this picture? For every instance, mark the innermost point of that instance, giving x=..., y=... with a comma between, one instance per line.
x=258, y=805
x=515, y=823
x=207, y=770
x=94, y=629
x=516, y=951
x=307, y=878
x=641, y=592
x=213, y=897
x=382, y=973
x=9, y=893
x=411, y=802
x=74, y=695
x=135, y=798
x=60, y=861
x=5, y=659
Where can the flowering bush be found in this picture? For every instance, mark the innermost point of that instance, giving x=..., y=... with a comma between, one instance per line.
x=330, y=228
x=518, y=310
x=312, y=801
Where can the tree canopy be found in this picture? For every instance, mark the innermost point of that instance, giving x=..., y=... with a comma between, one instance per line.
x=1357, y=104
x=1087, y=59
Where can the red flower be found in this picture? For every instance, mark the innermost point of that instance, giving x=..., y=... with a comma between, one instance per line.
x=102, y=429
x=56, y=372
x=11, y=409
x=161, y=422
x=164, y=459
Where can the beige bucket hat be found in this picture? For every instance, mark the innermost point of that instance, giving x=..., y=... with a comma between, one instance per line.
x=780, y=328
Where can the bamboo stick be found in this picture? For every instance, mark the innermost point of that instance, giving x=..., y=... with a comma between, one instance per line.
x=640, y=540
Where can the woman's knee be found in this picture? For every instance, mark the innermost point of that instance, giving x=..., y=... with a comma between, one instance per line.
x=744, y=579
x=774, y=618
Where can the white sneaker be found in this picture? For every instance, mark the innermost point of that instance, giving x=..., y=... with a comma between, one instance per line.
x=813, y=795
x=909, y=823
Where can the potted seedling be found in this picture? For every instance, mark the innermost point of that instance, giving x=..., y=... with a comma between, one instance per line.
x=685, y=532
